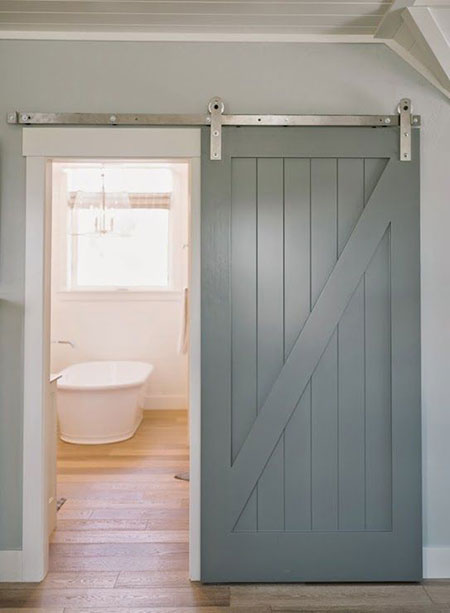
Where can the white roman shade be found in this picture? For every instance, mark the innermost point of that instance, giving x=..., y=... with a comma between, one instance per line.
x=119, y=200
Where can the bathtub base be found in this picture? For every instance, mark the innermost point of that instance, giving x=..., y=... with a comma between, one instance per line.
x=101, y=402
x=104, y=440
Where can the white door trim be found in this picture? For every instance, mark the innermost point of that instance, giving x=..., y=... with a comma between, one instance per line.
x=40, y=145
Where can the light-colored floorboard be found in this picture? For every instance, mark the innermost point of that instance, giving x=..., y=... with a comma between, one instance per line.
x=330, y=595
x=438, y=591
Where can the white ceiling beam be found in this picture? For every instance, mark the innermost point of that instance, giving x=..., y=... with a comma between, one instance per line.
x=410, y=30
x=423, y=25
x=392, y=19
x=410, y=59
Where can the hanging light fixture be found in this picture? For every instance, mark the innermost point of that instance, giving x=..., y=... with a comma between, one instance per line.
x=103, y=201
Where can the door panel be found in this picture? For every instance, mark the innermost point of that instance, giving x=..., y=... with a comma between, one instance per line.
x=310, y=357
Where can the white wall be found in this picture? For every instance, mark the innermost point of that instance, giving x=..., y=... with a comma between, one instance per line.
x=146, y=330
x=252, y=78
x=143, y=326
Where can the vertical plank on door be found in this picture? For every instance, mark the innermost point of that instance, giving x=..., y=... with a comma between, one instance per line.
x=297, y=441
x=378, y=390
x=270, y=352
x=352, y=414
x=324, y=432
x=297, y=294
x=351, y=432
x=243, y=316
x=373, y=169
x=324, y=453
x=297, y=194
x=243, y=307
x=323, y=223
x=350, y=197
x=271, y=492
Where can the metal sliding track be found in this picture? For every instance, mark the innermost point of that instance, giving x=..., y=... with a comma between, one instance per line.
x=216, y=118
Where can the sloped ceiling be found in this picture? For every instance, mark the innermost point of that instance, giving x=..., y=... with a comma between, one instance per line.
x=417, y=30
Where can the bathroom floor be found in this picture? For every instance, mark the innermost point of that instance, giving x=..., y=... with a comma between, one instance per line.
x=121, y=543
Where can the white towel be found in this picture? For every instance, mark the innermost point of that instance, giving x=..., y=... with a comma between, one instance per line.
x=183, y=341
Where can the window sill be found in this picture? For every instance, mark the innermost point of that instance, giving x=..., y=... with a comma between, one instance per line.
x=155, y=295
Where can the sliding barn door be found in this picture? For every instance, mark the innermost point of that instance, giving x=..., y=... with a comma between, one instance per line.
x=310, y=357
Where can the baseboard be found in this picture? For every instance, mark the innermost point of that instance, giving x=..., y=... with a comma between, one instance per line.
x=166, y=402
x=436, y=562
x=11, y=566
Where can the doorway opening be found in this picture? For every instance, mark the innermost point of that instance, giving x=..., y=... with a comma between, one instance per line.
x=43, y=150
x=119, y=358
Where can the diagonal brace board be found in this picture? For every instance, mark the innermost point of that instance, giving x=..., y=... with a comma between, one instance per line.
x=312, y=341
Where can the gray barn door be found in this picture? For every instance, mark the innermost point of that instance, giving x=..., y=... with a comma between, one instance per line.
x=310, y=357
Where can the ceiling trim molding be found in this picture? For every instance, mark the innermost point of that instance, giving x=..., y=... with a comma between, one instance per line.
x=123, y=36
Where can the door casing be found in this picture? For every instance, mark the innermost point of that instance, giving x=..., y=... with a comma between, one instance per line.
x=40, y=146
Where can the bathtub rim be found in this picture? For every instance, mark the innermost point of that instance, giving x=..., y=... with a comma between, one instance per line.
x=100, y=387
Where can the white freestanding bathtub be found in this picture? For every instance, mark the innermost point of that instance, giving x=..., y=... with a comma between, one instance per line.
x=99, y=402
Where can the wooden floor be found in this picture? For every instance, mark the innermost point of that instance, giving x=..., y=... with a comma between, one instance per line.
x=121, y=543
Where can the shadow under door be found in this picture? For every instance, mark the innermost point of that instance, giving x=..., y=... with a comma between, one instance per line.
x=310, y=357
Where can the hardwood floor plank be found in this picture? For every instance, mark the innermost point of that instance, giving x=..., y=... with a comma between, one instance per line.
x=80, y=580
x=66, y=579
x=148, y=513
x=155, y=578
x=111, y=471
x=438, y=591
x=68, y=513
x=26, y=609
x=167, y=561
x=426, y=608
x=118, y=597
x=128, y=462
x=99, y=476
x=120, y=536
x=87, y=550
x=126, y=485
x=92, y=503
x=331, y=595
x=196, y=609
x=65, y=525
x=172, y=524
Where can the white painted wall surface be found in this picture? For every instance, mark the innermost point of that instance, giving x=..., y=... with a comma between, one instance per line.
x=252, y=78
x=146, y=330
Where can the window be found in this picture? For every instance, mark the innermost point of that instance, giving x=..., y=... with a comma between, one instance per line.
x=122, y=225
x=133, y=254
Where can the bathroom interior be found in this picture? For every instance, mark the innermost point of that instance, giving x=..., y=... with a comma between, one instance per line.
x=119, y=354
